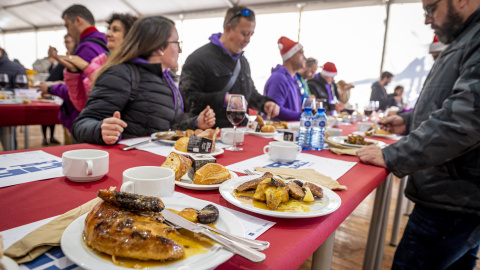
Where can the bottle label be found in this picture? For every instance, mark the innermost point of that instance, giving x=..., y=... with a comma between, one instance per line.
x=307, y=123
x=321, y=124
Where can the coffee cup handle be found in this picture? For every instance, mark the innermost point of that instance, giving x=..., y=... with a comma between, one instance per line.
x=265, y=149
x=299, y=149
x=128, y=187
x=89, y=167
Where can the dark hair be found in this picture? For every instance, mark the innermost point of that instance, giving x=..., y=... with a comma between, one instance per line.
x=311, y=61
x=398, y=87
x=80, y=11
x=147, y=35
x=386, y=74
x=234, y=14
x=126, y=19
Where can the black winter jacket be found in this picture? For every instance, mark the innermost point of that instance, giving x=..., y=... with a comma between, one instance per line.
x=442, y=149
x=152, y=110
x=206, y=72
x=318, y=89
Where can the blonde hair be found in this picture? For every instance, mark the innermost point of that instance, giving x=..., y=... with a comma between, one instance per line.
x=146, y=36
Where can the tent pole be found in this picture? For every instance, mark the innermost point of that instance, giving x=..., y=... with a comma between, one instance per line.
x=385, y=36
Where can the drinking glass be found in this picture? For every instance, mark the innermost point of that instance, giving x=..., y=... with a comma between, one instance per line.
x=236, y=110
x=3, y=80
x=349, y=108
x=368, y=110
x=21, y=81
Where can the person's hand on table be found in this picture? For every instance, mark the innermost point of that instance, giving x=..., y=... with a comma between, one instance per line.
x=371, y=154
x=393, y=124
x=43, y=87
x=112, y=128
x=339, y=107
x=271, y=109
x=206, y=119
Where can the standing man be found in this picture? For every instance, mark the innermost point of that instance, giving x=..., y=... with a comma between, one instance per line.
x=219, y=68
x=283, y=86
x=323, y=86
x=90, y=42
x=441, y=151
x=378, y=90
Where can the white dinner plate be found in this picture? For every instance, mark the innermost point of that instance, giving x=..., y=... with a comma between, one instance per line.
x=341, y=140
x=386, y=136
x=187, y=182
x=324, y=206
x=154, y=136
x=217, y=152
x=262, y=134
x=8, y=264
x=76, y=250
x=10, y=101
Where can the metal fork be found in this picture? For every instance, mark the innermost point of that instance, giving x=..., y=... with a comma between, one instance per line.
x=254, y=244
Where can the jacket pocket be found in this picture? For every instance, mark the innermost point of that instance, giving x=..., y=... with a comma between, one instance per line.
x=221, y=71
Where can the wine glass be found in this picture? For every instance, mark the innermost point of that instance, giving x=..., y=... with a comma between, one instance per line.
x=236, y=110
x=21, y=81
x=368, y=110
x=3, y=80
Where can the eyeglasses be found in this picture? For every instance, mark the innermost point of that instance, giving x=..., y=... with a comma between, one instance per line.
x=179, y=43
x=428, y=9
x=243, y=13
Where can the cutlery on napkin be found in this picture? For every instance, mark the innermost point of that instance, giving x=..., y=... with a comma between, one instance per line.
x=42, y=239
x=340, y=149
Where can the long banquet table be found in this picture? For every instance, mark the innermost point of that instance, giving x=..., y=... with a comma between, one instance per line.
x=292, y=240
x=35, y=113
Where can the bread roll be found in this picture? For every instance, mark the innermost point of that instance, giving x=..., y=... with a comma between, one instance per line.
x=268, y=129
x=259, y=119
x=211, y=174
x=198, y=131
x=182, y=144
x=178, y=163
x=189, y=133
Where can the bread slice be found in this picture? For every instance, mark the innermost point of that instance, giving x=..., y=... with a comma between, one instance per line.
x=182, y=144
x=178, y=163
x=211, y=174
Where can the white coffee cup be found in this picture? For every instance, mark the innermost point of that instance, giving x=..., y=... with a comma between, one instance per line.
x=364, y=126
x=227, y=136
x=283, y=152
x=85, y=165
x=149, y=181
x=334, y=132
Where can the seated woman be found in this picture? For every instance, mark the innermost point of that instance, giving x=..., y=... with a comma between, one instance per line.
x=79, y=86
x=133, y=95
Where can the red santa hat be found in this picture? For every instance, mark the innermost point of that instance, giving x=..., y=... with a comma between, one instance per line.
x=436, y=45
x=288, y=47
x=329, y=69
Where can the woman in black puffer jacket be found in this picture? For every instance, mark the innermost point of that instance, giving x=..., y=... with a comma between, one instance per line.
x=118, y=108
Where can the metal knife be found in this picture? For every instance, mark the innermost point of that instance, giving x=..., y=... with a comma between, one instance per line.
x=255, y=244
x=148, y=141
x=237, y=248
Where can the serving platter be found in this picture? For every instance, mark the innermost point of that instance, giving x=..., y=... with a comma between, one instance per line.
x=187, y=182
x=75, y=249
x=324, y=206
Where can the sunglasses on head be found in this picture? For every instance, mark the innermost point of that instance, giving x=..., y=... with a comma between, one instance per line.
x=241, y=13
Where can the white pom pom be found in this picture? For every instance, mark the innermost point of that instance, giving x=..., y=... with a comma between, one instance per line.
x=280, y=46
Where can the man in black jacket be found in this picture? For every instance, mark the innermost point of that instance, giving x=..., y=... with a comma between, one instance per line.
x=207, y=71
x=441, y=152
x=378, y=90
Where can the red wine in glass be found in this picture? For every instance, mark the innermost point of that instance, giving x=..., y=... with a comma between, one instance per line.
x=368, y=112
x=21, y=85
x=3, y=84
x=350, y=111
x=236, y=117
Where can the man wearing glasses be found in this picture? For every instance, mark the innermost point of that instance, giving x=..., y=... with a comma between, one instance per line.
x=219, y=68
x=441, y=151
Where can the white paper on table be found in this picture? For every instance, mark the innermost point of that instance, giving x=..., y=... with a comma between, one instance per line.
x=19, y=168
x=326, y=166
x=157, y=148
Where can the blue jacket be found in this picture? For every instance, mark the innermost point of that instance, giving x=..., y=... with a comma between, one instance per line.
x=284, y=90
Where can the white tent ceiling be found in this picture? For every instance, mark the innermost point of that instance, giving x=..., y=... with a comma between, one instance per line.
x=28, y=15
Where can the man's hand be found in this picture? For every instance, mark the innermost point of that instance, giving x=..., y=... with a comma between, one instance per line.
x=112, y=127
x=43, y=86
x=371, y=154
x=206, y=119
x=271, y=109
x=393, y=124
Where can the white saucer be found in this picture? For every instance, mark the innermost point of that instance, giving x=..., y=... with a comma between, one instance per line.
x=8, y=264
x=85, y=179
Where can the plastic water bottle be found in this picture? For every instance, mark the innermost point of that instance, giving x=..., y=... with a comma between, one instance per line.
x=305, y=133
x=318, y=129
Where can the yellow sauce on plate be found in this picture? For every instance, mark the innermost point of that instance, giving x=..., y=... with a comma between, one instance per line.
x=292, y=206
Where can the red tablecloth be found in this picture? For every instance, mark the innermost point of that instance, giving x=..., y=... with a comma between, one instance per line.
x=292, y=240
x=36, y=113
